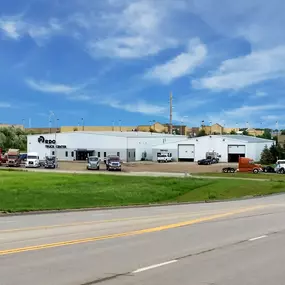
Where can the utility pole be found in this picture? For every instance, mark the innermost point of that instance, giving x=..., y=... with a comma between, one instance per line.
x=170, y=113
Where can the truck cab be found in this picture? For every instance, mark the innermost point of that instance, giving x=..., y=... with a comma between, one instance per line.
x=93, y=162
x=33, y=160
x=13, y=158
x=248, y=165
x=113, y=163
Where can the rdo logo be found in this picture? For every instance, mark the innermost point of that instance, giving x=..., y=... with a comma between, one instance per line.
x=41, y=139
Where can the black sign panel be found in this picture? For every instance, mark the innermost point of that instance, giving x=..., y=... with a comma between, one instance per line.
x=41, y=139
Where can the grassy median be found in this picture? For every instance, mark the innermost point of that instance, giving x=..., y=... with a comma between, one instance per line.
x=28, y=191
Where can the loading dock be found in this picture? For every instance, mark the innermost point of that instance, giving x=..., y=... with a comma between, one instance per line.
x=235, y=152
x=186, y=152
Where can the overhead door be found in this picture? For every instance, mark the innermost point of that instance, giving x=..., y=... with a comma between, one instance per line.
x=186, y=152
x=235, y=152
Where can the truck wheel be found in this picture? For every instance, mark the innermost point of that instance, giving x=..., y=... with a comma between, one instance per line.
x=255, y=171
x=225, y=170
x=232, y=170
x=282, y=171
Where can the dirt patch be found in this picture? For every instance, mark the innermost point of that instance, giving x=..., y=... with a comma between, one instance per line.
x=175, y=167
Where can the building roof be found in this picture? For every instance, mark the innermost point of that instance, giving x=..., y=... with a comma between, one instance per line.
x=248, y=139
x=123, y=134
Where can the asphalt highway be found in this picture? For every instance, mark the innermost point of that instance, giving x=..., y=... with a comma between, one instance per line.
x=239, y=242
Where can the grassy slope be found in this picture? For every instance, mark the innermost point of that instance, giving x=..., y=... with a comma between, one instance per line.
x=21, y=191
x=270, y=176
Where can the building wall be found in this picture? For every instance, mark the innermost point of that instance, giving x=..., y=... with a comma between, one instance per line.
x=16, y=126
x=218, y=144
x=281, y=140
x=254, y=150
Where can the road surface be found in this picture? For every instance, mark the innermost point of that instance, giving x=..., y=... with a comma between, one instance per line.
x=239, y=242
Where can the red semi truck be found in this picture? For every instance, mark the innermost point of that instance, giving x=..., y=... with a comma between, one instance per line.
x=244, y=165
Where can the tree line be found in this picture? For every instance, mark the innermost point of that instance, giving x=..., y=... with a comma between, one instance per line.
x=13, y=138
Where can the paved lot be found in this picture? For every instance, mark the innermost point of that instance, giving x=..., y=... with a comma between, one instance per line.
x=175, y=167
x=239, y=242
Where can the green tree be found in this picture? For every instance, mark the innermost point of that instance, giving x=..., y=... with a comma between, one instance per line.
x=277, y=152
x=13, y=138
x=245, y=133
x=201, y=133
x=267, y=134
x=233, y=132
x=266, y=156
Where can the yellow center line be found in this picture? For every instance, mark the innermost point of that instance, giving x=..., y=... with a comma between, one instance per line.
x=130, y=233
x=100, y=222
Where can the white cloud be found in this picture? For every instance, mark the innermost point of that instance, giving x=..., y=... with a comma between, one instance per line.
x=10, y=29
x=238, y=73
x=260, y=94
x=181, y=65
x=47, y=87
x=139, y=106
x=135, y=29
x=15, y=28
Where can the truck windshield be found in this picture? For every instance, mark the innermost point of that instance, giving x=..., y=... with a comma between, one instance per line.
x=12, y=156
x=32, y=157
x=93, y=159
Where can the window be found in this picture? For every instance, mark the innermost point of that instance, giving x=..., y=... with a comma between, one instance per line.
x=66, y=153
x=99, y=154
x=118, y=154
x=72, y=154
x=105, y=154
x=53, y=153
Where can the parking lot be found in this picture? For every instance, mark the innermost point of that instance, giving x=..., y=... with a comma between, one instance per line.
x=173, y=167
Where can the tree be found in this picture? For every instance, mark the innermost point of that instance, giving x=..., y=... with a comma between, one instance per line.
x=13, y=138
x=266, y=156
x=283, y=132
x=267, y=134
x=201, y=133
x=277, y=152
x=233, y=132
x=245, y=133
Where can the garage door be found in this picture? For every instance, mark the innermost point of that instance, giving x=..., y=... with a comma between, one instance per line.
x=186, y=152
x=235, y=149
x=235, y=152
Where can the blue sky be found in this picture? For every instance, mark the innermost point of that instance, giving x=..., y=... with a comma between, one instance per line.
x=111, y=60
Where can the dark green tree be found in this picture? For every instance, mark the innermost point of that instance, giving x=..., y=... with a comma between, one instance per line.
x=245, y=133
x=266, y=156
x=201, y=133
x=233, y=132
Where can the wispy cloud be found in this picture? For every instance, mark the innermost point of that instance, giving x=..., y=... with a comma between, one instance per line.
x=16, y=27
x=245, y=71
x=183, y=64
x=47, y=87
x=140, y=29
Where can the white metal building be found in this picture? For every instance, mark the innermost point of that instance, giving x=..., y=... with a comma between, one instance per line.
x=130, y=146
x=230, y=147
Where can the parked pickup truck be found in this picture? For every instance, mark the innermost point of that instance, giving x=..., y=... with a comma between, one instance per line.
x=164, y=157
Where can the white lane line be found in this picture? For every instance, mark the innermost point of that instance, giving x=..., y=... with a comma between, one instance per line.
x=256, y=238
x=154, y=266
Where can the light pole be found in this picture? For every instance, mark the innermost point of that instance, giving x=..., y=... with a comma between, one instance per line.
x=210, y=127
x=55, y=145
x=82, y=123
x=23, y=123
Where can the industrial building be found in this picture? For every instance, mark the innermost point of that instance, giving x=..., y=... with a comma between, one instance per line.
x=229, y=147
x=130, y=146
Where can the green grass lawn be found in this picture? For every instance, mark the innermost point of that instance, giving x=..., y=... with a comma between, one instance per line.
x=269, y=176
x=28, y=191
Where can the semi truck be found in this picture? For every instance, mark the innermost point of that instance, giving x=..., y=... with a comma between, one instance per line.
x=13, y=158
x=244, y=165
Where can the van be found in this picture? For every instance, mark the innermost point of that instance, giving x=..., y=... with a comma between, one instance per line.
x=280, y=166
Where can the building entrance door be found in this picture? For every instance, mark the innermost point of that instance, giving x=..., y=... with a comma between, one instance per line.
x=82, y=154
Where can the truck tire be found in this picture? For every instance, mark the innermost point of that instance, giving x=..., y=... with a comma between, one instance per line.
x=232, y=170
x=225, y=170
x=255, y=171
x=282, y=171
